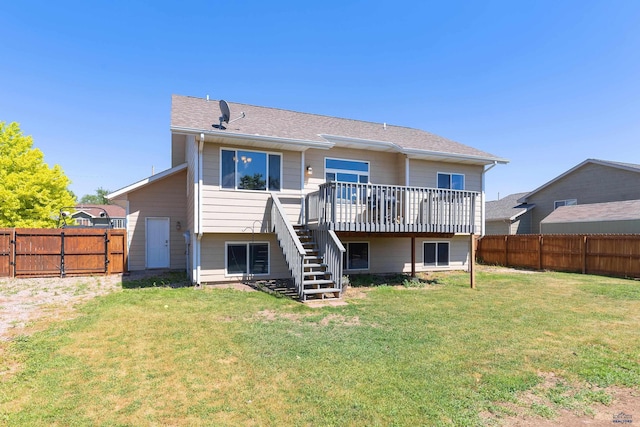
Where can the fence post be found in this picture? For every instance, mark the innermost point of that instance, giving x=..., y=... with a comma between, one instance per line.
x=12, y=253
x=506, y=251
x=540, y=252
x=106, y=251
x=585, y=238
x=62, y=272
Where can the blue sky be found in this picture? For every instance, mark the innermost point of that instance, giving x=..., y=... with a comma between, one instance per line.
x=545, y=84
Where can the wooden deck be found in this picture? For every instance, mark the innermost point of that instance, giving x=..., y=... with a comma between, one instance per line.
x=392, y=209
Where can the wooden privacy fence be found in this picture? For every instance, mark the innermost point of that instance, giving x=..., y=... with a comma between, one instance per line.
x=29, y=252
x=610, y=255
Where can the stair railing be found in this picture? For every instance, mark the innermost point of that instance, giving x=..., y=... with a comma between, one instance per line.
x=289, y=242
x=331, y=250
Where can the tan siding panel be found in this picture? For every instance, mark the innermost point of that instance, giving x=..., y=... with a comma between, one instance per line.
x=393, y=255
x=165, y=198
x=213, y=257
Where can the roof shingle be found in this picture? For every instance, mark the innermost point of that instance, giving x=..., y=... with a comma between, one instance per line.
x=200, y=114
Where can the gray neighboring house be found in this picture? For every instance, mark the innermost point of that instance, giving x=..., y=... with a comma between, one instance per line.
x=92, y=215
x=596, y=218
x=508, y=215
x=592, y=181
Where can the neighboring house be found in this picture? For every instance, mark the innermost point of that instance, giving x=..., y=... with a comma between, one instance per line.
x=595, y=218
x=266, y=193
x=508, y=215
x=108, y=216
x=592, y=181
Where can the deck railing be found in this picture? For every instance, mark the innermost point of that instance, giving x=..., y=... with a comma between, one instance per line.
x=289, y=242
x=392, y=208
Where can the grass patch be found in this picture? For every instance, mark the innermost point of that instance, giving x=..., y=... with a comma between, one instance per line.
x=154, y=354
x=174, y=279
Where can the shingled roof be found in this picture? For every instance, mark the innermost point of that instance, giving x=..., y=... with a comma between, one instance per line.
x=507, y=208
x=198, y=115
x=610, y=211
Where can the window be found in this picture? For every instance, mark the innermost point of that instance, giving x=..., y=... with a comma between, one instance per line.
x=250, y=170
x=356, y=256
x=247, y=258
x=568, y=202
x=451, y=181
x=347, y=171
x=436, y=253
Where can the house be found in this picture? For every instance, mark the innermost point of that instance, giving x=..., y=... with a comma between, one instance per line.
x=508, y=215
x=264, y=193
x=92, y=215
x=592, y=181
x=594, y=218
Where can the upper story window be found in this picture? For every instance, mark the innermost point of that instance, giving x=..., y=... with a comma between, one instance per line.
x=250, y=170
x=567, y=202
x=352, y=171
x=451, y=181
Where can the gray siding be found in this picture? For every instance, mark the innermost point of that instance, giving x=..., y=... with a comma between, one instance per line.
x=592, y=183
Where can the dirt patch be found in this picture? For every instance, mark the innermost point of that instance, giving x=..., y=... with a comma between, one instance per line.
x=534, y=408
x=24, y=301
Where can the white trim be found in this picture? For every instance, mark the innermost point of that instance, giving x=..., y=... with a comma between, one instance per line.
x=267, y=153
x=146, y=181
x=346, y=252
x=437, y=242
x=294, y=144
x=247, y=243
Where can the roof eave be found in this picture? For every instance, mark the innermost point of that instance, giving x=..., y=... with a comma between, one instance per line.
x=148, y=180
x=294, y=143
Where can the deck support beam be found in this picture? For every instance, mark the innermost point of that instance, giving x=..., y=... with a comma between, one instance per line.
x=472, y=260
x=413, y=256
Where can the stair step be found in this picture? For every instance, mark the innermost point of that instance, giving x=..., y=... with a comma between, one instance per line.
x=320, y=291
x=316, y=273
x=316, y=265
x=318, y=282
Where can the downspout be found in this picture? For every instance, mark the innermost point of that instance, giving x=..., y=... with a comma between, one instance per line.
x=482, y=210
x=199, y=210
x=303, y=168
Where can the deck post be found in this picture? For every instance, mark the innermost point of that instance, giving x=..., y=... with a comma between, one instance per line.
x=472, y=260
x=413, y=256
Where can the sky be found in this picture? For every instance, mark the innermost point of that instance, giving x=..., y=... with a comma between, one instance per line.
x=544, y=84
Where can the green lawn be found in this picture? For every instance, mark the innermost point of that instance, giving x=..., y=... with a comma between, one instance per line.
x=431, y=354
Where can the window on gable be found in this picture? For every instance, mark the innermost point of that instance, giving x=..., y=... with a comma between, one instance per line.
x=451, y=181
x=356, y=256
x=250, y=170
x=567, y=202
x=247, y=258
x=435, y=254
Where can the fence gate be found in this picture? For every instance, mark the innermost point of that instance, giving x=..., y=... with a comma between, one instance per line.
x=61, y=252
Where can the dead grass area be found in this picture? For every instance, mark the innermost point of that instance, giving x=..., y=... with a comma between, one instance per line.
x=532, y=407
x=24, y=302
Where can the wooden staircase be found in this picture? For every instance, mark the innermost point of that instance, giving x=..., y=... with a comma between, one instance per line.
x=317, y=282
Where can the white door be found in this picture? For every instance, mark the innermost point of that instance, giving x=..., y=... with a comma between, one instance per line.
x=157, y=242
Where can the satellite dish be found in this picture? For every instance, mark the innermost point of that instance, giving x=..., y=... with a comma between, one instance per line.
x=226, y=113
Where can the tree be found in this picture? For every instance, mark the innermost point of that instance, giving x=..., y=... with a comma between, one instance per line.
x=100, y=198
x=31, y=193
